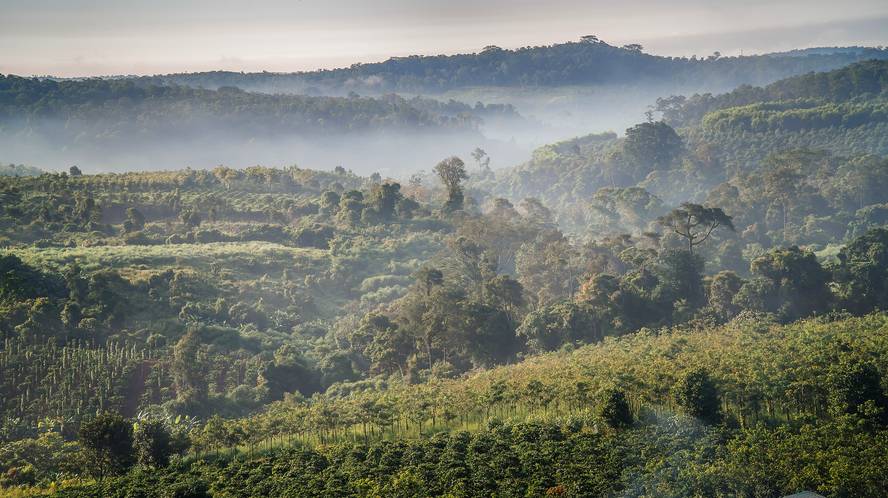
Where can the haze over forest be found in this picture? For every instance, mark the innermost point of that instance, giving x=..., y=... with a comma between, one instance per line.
x=408, y=249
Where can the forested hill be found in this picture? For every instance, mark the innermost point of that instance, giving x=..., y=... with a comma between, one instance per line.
x=123, y=124
x=860, y=80
x=801, y=160
x=120, y=106
x=588, y=62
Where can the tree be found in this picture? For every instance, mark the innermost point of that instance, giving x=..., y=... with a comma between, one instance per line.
x=862, y=272
x=855, y=388
x=798, y=282
x=782, y=181
x=723, y=287
x=188, y=368
x=191, y=218
x=546, y=267
x=471, y=264
x=329, y=203
x=135, y=221
x=506, y=294
x=74, y=171
x=107, y=444
x=651, y=146
x=480, y=156
x=350, y=207
x=428, y=278
x=452, y=171
x=152, y=443
x=679, y=278
x=614, y=409
x=489, y=334
x=389, y=345
x=385, y=198
x=695, y=223
x=697, y=396
x=550, y=327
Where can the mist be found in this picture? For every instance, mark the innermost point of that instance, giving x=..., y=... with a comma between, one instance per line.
x=392, y=153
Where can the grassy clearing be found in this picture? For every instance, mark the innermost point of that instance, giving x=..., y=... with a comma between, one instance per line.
x=159, y=257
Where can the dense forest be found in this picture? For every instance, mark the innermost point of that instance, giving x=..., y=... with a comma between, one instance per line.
x=119, y=125
x=589, y=61
x=800, y=161
x=252, y=319
x=397, y=115
x=695, y=307
x=570, y=88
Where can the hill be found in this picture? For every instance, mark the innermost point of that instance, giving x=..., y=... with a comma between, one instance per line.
x=121, y=124
x=590, y=62
x=746, y=409
x=728, y=150
x=572, y=88
x=691, y=309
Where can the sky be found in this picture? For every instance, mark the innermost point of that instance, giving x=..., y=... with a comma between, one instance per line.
x=105, y=37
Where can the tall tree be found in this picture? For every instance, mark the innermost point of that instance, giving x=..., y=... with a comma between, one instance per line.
x=152, y=443
x=697, y=396
x=384, y=197
x=650, y=147
x=781, y=183
x=695, y=223
x=107, y=444
x=452, y=171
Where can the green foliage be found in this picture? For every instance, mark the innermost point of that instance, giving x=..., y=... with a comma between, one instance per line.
x=695, y=223
x=856, y=389
x=840, y=85
x=650, y=147
x=109, y=105
x=861, y=272
x=773, y=382
x=614, y=409
x=452, y=172
x=796, y=283
x=349, y=337
x=548, y=328
x=107, y=444
x=697, y=396
x=563, y=64
x=151, y=443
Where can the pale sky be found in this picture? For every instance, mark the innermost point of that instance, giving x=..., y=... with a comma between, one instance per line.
x=103, y=37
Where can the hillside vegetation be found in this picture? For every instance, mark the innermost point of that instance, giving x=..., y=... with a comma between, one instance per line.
x=695, y=308
x=589, y=61
x=787, y=161
x=630, y=417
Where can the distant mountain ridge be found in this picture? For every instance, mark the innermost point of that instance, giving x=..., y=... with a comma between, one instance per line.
x=105, y=123
x=588, y=62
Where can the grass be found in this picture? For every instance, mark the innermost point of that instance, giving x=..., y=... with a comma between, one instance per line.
x=159, y=257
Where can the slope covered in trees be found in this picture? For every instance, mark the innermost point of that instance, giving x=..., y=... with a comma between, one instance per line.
x=799, y=161
x=587, y=62
x=570, y=88
x=264, y=308
x=652, y=314
x=869, y=78
x=749, y=409
x=114, y=103
x=119, y=124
